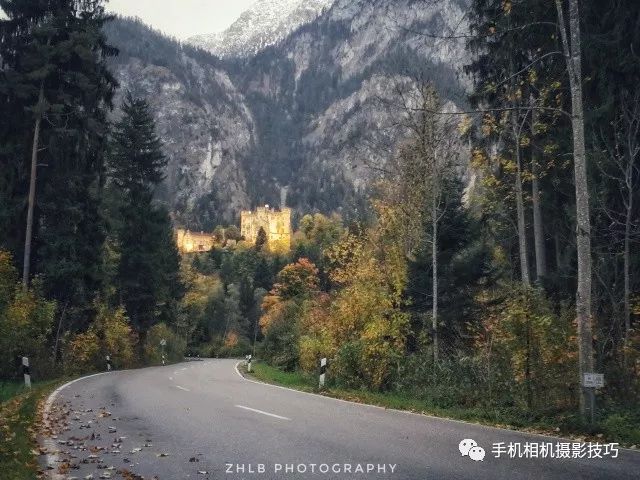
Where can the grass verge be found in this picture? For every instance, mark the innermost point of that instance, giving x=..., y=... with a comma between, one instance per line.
x=19, y=413
x=621, y=428
x=9, y=390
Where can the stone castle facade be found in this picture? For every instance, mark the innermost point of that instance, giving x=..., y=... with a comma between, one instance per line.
x=189, y=242
x=276, y=224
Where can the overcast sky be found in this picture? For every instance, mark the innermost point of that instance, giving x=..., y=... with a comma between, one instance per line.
x=183, y=18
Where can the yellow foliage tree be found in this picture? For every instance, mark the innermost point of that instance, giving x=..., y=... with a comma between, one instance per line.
x=174, y=349
x=110, y=334
x=316, y=338
x=295, y=282
x=26, y=320
x=368, y=328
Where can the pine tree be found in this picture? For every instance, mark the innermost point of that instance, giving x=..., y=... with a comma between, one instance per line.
x=56, y=87
x=261, y=239
x=148, y=281
x=263, y=277
x=247, y=305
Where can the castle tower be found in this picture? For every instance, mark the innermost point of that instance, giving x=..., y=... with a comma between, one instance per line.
x=276, y=224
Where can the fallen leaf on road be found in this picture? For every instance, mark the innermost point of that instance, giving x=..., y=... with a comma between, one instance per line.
x=127, y=475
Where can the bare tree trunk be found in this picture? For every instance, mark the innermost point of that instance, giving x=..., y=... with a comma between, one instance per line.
x=573, y=55
x=522, y=227
x=434, y=266
x=538, y=228
x=627, y=279
x=32, y=190
x=527, y=370
x=57, y=342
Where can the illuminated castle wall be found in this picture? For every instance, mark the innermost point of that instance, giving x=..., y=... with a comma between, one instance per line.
x=276, y=224
x=189, y=242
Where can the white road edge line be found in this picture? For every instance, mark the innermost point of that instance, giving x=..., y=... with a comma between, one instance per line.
x=49, y=444
x=406, y=412
x=182, y=388
x=262, y=412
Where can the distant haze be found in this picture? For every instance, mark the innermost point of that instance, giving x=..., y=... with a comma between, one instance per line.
x=182, y=18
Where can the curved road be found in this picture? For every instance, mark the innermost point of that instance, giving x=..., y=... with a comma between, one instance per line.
x=203, y=420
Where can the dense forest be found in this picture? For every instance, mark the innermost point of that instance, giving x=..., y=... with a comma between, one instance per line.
x=497, y=263
x=100, y=270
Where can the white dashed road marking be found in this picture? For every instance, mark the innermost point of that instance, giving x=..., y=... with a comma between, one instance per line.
x=263, y=413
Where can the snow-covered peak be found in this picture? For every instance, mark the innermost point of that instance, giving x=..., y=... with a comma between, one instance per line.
x=265, y=23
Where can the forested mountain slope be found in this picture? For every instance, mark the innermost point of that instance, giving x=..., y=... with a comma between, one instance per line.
x=310, y=115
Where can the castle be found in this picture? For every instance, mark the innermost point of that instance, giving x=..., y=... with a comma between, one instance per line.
x=276, y=224
x=189, y=242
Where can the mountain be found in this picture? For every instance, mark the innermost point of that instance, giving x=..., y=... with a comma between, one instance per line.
x=264, y=24
x=201, y=116
x=315, y=115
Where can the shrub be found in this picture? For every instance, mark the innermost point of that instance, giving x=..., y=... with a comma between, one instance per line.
x=239, y=347
x=8, y=279
x=526, y=342
x=312, y=349
x=82, y=353
x=346, y=370
x=26, y=319
x=118, y=339
x=625, y=427
x=455, y=381
x=109, y=334
x=280, y=344
x=174, y=349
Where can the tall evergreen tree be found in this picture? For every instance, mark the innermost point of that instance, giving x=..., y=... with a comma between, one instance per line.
x=261, y=239
x=148, y=282
x=56, y=85
x=263, y=277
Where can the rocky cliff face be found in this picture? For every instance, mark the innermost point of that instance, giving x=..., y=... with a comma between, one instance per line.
x=203, y=119
x=312, y=115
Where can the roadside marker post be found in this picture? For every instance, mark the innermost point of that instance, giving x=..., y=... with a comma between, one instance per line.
x=163, y=343
x=248, y=363
x=323, y=371
x=108, y=358
x=26, y=371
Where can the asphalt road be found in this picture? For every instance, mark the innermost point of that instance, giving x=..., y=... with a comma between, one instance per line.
x=203, y=420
